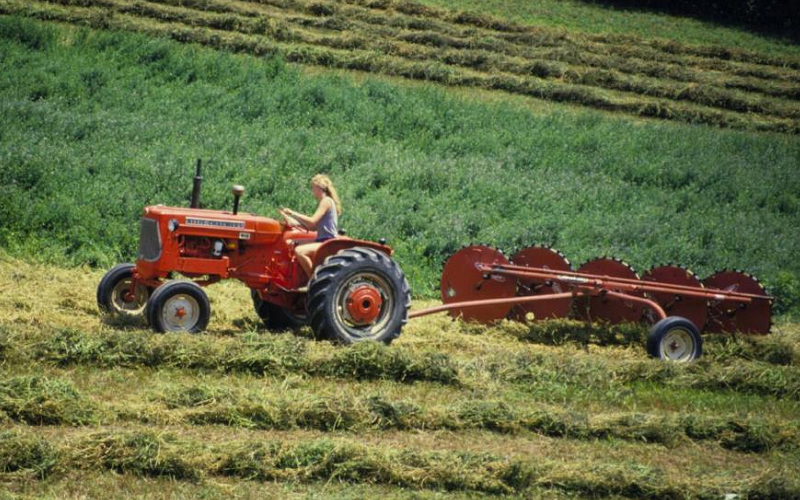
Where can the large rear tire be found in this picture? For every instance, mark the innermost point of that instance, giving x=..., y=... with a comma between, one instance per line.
x=359, y=294
x=675, y=339
x=178, y=306
x=275, y=317
x=112, y=293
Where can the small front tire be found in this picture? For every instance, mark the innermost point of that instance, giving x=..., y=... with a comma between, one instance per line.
x=178, y=306
x=675, y=339
x=112, y=292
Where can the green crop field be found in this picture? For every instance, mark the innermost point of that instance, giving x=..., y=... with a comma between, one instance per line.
x=99, y=124
x=510, y=123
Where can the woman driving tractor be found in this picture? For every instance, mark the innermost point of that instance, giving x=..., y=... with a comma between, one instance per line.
x=324, y=220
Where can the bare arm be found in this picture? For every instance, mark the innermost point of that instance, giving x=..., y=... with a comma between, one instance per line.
x=311, y=222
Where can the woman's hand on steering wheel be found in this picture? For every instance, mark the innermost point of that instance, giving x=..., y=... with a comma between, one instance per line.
x=290, y=220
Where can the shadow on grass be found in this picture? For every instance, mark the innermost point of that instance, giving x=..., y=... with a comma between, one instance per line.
x=770, y=18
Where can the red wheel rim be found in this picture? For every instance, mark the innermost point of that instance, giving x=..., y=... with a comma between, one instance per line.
x=543, y=258
x=695, y=309
x=364, y=304
x=609, y=309
x=463, y=281
x=728, y=316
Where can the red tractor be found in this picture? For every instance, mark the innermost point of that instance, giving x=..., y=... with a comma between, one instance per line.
x=357, y=291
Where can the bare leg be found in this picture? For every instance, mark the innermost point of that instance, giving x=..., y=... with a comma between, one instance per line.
x=304, y=255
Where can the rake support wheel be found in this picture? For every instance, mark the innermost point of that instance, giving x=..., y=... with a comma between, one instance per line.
x=675, y=339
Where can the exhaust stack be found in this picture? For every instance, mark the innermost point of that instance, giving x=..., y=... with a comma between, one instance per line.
x=198, y=180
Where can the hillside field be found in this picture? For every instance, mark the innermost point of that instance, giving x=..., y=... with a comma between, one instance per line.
x=449, y=410
x=442, y=124
x=100, y=124
x=653, y=77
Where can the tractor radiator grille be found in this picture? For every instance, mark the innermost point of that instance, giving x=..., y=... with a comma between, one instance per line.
x=149, y=240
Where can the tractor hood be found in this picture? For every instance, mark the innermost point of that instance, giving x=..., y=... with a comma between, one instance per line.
x=215, y=223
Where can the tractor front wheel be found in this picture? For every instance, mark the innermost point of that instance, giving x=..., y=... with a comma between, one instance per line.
x=359, y=294
x=114, y=294
x=178, y=306
x=675, y=339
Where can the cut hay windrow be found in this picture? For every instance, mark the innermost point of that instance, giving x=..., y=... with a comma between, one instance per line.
x=151, y=454
x=503, y=25
x=431, y=50
x=706, y=103
x=27, y=454
x=268, y=356
x=277, y=356
x=741, y=376
x=628, y=48
x=204, y=404
x=44, y=401
x=339, y=16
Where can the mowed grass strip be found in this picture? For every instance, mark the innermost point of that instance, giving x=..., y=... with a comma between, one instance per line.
x=149, y=453
x=479, y=20
x=486, y=61
x=358, y=38
x=253, y=353
x=539, y=52
x=345, y=52
x=54, y=400
x=217, y=404
x=279, y=355
x=39, y=400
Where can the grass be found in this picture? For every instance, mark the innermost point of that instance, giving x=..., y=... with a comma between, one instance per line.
x=249, y=30
x=547, y=413
x=643, y=191
x=43, y=401
x=95, y=407
x=594, y=17
x=143, y=452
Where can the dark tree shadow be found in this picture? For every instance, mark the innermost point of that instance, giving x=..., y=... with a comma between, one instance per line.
x=776, y=19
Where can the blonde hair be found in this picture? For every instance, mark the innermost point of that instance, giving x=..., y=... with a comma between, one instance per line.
x=324, y=182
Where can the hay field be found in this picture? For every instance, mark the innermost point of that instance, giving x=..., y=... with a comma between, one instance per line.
x=91, y=408
x=632, y=75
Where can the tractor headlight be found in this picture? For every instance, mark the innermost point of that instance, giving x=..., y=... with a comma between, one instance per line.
x=172, y=225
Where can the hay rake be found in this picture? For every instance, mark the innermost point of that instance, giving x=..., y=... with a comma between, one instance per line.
x=479, y=283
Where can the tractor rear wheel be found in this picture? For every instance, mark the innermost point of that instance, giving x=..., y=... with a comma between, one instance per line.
x=675, y=339
x=113, y=292
x=359, y=294
x=178, y=306
x=276, y=317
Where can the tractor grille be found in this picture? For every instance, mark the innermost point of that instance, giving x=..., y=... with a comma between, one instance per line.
x=149, y=240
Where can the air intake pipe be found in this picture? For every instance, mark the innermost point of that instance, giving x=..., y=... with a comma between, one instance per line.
x=237, y=192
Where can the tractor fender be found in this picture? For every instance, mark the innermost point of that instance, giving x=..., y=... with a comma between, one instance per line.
x=336, y=245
